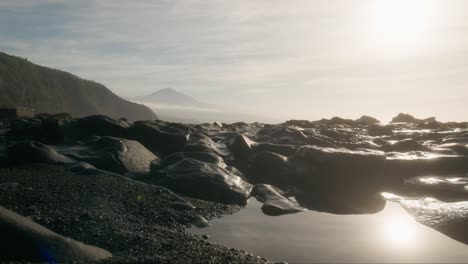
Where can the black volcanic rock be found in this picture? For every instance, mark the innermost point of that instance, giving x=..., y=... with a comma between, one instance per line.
x=25, y=240
x=55, y=91
x=98, y=125
x=367, y=120
x=407, y=118
x=241, y=147
x=117, y=155
x=338, y=170
x=405, y=145
x=271, y=168
x=205, y=181
x=450, y=219
x=207, y=156
x=35, y=152
x=274, y=202
x=341, y=203
x=160, y=138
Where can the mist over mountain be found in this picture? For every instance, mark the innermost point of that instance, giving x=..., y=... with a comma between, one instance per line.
x=175, y=106
x=44, y=90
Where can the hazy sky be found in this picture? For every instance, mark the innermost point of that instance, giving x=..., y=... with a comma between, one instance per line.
x=302, y=59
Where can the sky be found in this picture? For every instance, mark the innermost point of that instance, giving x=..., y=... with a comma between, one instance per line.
x=302, y=59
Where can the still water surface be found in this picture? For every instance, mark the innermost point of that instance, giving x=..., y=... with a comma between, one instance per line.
x=389, y=236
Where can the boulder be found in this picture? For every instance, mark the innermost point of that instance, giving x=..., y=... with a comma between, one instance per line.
x=116, y=155
x=53, y=127
x=25, y=240
x=282, y=149
x=159, y=137
x=201, y=143
x=450, y=219
x=405, y=145
x=25, y=129
x=35, y=152
x=241, y=147
x=341, y=202
x=407, y=118
x=338, y=170
x=274, y=202
x=208, y=157
x=204, y=181
x=367, y=121
x=97, y=125
x=271, y=168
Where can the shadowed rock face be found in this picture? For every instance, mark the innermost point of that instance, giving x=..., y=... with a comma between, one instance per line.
x=35, y=152
x=205, y=181
x=25, y=240
x=98, y=125
x=327, y=169
x=159, y=137
x=271, y=168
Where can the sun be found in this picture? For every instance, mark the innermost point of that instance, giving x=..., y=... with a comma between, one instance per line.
x=401, y=21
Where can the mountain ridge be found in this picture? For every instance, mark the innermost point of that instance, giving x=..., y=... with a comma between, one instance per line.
x=24, y=84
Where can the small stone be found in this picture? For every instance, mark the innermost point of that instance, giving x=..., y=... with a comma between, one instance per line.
x=205, y=236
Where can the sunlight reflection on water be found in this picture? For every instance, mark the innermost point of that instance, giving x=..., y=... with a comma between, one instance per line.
x=389, y=236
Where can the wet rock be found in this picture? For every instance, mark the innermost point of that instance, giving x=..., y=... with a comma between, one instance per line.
x=201, y=143
x=404, y=146
x=98, y=125
x=338, y=170
x=364, y=202
x=450, y=219
x=182, y=205
x=205, y=181
x=82, y=168
x=285, y=150
x=417, y=163
x=35, y=152
x=207, y=156
x=274, y=202
x=378, y=130
x=407, y=118
x=241, y=147
x=291, y=136
x=25, y=240
x=200, y=221
x=158, y=137
x=271, y=168
x=367, y=120
x=447, y=189
x=113, y=154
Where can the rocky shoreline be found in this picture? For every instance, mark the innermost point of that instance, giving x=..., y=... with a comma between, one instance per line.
x=131, y=188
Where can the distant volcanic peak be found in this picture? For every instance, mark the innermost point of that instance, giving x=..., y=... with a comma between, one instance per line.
x=407, y=118
x=171, y=97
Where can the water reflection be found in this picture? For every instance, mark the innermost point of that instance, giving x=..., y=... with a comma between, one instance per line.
x=389, y=236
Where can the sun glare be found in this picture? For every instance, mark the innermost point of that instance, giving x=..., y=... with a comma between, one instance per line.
x=399, y=231
x=400, y=22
